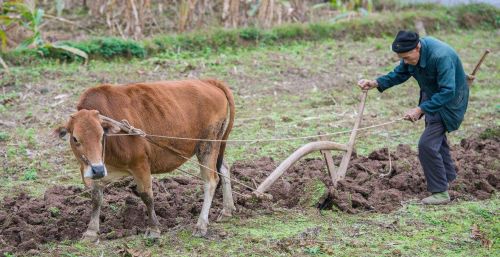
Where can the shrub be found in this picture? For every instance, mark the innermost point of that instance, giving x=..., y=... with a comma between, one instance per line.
x=477, y=15
x=224, y=38
x=250, y=34
x=290, y=31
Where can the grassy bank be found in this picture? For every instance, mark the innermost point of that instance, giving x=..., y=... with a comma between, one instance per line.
x=435, y=18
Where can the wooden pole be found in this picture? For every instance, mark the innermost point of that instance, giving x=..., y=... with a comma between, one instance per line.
x=347, y=156
x=486, y=52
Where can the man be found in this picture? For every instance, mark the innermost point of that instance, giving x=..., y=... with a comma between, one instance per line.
x=444, y=95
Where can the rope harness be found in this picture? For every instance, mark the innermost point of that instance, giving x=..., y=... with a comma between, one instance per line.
x=138, y=132
x=132, y=131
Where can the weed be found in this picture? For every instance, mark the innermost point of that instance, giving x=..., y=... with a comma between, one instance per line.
x=4, y=136
x=29, y=134
x=44, y=165
x=314, y=250
x=30, y=174
x=54, y=211
x=150, y=241
x=114, y=207
x=490, y=133
x=11, y=152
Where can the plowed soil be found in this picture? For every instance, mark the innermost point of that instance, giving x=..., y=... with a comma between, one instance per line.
x=63, y=212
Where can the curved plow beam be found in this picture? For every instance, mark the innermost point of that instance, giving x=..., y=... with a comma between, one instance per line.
x=292, y=159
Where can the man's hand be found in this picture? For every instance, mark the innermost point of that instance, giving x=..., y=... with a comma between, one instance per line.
x=367, y=84
x=413, y=114
x=470, y=79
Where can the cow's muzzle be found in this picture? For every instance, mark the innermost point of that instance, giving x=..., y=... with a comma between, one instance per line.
x=98, y=171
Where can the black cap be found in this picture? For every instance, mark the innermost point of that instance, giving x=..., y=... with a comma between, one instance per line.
x=405, y=41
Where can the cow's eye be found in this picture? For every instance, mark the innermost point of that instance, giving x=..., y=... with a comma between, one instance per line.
x=74, y=140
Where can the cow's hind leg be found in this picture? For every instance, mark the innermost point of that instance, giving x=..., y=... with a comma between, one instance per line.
x=143, y=180
x=227, y=195
x=207, y=153
x=93, y=229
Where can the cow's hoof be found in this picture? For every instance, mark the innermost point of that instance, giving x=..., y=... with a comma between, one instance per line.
x=91, y=237
x=152, y=234
x=200, y=232
x=224, y=215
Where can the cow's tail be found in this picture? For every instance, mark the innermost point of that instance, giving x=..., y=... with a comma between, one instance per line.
x=229, y=95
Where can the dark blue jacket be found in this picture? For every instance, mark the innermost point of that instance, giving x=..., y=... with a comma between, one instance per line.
x=441, y=78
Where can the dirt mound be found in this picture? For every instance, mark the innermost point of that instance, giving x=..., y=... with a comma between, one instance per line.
x=64, y=212
x=370, y=186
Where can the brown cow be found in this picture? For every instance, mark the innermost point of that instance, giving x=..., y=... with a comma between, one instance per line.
x=189, y=109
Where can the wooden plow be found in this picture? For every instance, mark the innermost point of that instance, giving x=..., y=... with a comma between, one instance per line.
x=324, y=147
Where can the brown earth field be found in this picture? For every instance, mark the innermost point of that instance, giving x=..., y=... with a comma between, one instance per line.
x=64, y=211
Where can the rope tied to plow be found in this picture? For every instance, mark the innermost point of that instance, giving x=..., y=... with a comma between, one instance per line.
x=132, y=131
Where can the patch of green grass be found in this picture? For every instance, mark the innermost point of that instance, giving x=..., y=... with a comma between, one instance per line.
x=4, y=136
x=315, y=190
x=30, y=174
x=490, y=133
x=29, y=134
x=413, y=230
x=54, y=211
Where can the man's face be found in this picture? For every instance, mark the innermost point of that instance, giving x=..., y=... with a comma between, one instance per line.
x=411, y=57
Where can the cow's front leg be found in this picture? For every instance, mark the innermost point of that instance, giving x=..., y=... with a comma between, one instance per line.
x=143, y=180
x=93, y=229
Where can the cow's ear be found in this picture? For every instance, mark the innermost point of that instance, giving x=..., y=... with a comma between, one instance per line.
x=60, y=132
x=109, y=127
x=95, y=112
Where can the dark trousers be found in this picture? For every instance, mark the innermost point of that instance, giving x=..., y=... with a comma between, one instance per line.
x=434, y=155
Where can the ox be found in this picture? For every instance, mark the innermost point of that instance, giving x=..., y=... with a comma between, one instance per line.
x=202, y=109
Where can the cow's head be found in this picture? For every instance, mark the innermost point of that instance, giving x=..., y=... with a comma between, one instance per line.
x=86, y=134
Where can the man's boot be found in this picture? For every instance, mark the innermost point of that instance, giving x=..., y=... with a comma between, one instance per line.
x=437, y=198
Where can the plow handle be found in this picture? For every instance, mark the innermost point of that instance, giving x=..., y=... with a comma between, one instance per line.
x=486, y=52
